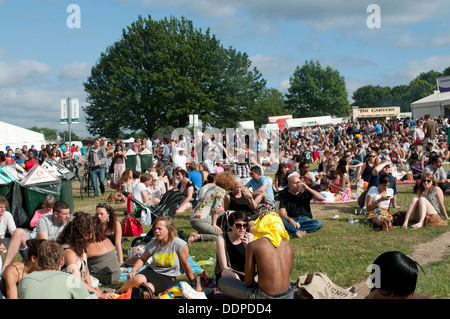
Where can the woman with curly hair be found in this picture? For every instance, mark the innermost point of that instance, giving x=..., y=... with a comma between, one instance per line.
x=205, y=214
x=76, y=236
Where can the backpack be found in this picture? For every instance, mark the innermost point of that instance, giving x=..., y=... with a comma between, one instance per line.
x=169, y=203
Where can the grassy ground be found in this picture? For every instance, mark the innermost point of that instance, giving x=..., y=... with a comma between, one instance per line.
x=341, y=251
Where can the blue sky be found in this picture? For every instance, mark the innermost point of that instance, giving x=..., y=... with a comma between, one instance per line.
x=43, y=60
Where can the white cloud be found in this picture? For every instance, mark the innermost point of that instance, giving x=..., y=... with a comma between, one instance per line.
x=22, y=72
x=413, y=68
x=273, y=66
x=435, y=39
x=28, y=106
x=203, y=8
x=75, y=71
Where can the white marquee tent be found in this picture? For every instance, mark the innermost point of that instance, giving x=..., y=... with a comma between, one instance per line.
x=308, y=121
x=435, y=104
x=16, y=137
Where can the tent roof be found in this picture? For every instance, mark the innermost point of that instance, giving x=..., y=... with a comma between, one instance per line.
x=433, y=100
x=15, y=137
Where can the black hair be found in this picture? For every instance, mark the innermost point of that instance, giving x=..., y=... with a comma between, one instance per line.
x=397, y=274
x=237, y=215
x=256, y=169
x=384, y=179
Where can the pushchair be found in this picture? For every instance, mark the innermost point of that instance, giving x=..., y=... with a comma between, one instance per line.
x=147, y=214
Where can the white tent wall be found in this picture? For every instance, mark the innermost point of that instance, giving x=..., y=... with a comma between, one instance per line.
x=434, y=104
x=308, y=121
x=247, y=125
x=16, y=137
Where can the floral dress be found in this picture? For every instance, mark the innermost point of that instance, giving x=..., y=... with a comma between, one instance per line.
x=205, y=207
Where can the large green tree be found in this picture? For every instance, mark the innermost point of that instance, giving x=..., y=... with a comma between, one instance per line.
x=271, y=103
x=317, y=91
x=159, y=72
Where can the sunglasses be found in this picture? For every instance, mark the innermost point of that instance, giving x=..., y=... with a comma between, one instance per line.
x=103, y=205
x=427, y=181
x=241, y=225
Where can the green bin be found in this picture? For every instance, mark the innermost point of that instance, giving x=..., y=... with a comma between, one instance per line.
x=131, y=161
x=146, y=161
x=66, y=193
x=34, y=194
x=6, y=190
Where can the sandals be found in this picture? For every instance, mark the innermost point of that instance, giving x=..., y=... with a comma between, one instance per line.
x=193, y=237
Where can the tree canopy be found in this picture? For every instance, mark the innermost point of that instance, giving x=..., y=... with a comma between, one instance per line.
x=401, y=95
x=159, y=72
x=317, y=91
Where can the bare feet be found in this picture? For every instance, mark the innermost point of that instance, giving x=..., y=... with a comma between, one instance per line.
x=193, y=238
x=417, y=226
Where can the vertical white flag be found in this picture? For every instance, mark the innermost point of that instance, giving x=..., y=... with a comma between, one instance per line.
x=75, y=110
x=64, y=114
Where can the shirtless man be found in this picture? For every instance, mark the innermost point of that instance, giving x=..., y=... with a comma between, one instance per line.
x=270, y=257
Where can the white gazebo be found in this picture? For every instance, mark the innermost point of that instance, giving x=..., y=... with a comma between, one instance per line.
x=436, y=104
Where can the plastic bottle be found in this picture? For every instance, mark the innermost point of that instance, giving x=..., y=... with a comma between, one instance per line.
x=92, y=295
x=350, y=220
x=199, y=284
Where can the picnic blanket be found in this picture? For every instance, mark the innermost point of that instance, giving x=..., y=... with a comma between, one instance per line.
x=331, y=198
x=124, y=271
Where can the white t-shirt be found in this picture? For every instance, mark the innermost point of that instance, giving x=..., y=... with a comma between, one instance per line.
x=373, y=191
x=7, y=223
x=137, y=193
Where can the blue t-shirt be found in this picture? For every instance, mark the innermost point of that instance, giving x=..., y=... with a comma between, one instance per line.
x=257, y=184
x=196, y=178
x=378, y=129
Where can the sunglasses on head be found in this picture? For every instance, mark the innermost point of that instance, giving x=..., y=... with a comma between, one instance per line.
x=241, y=225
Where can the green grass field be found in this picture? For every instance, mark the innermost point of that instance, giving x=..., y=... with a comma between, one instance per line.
x=341, y=251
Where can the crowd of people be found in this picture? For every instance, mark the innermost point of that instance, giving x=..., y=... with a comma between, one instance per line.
x=249, y=193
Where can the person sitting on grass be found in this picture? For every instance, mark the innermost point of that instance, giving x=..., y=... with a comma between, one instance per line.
x=271, y=256
x=75, y=238
x=204, y=218
x=428, y=206
x=50, y=282
x=295, y=208
x=102, y=258
x=169, y=260
x=395, y=277
x=230, y=247
x=17, y=270
x=377, y=204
